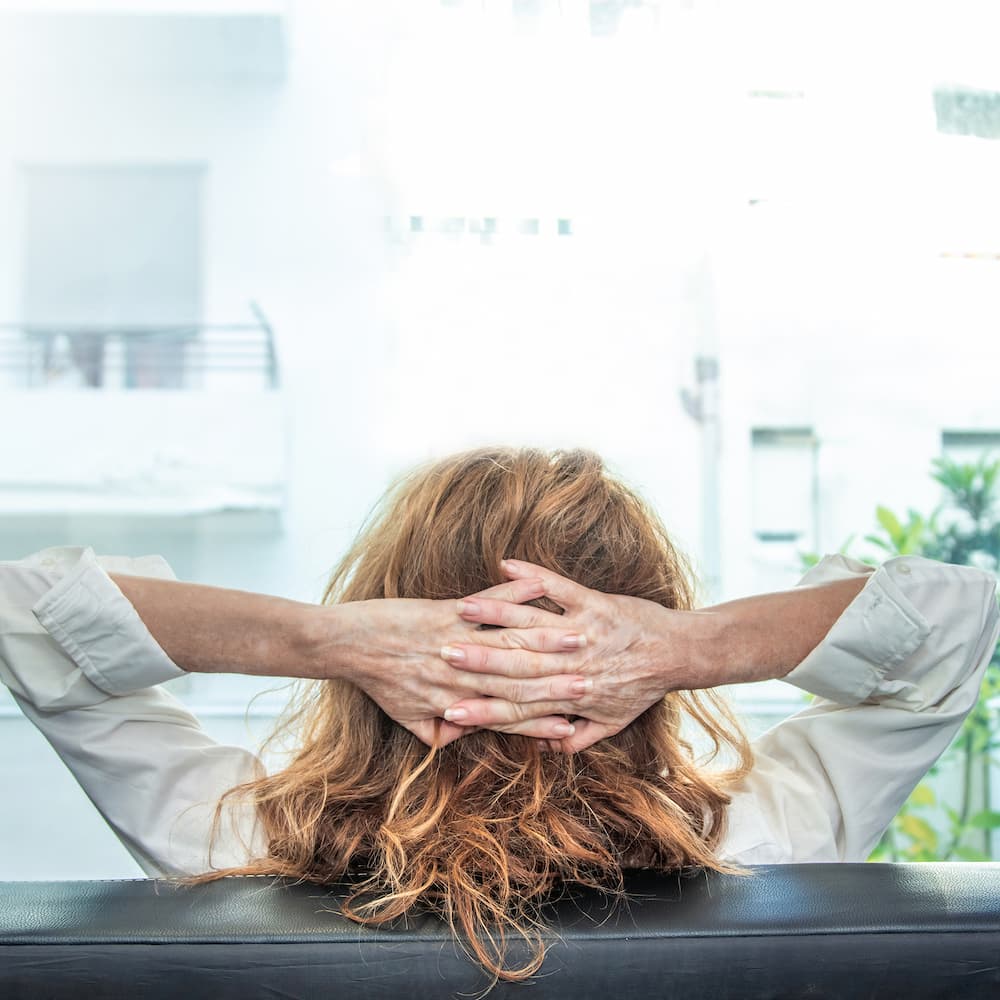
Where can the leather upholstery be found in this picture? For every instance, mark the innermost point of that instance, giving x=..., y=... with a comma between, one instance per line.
x=930, y=930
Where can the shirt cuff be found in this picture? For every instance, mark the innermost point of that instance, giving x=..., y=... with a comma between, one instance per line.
x=877, y=631
x=99, y=629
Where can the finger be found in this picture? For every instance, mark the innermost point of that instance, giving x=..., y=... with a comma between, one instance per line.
x=564, y=592
x=536, y=640
x=426, y=730
x=493, y=713
x=564, y=690
x=516, y=591
x=482, y=659
x=551, y=728
x=485, y=611
x=586, y=735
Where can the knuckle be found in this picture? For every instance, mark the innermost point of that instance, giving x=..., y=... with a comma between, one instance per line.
x=518, y=639
x=484, y=712
x=546, y=641
x=489, y=609
x=473, y=656
x=483, y=661
x=524, y=661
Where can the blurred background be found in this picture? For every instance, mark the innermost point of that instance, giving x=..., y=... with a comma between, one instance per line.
x=258, y=257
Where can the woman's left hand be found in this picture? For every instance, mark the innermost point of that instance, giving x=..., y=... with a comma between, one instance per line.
x=635, y=652
x=396, y=651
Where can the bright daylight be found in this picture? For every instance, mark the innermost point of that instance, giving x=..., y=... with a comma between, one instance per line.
x=572, y=268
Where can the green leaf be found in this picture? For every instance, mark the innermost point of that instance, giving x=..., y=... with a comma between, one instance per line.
x=988, y=819
x=890, y=522
x=922, y=795
x=910, y=544
x=920, y=831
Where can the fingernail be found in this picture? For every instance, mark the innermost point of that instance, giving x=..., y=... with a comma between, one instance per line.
x=508, y=566
x=456, y=714
x=563, y=729
x=468, y=608
x=453, y=654
x=573, y=641
x=581, y=687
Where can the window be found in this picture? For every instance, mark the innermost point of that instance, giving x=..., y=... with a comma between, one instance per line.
x=112, y=247
x=785, y=487
x=970, y=446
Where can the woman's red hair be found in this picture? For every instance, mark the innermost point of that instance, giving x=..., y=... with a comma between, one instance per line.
x=485, y=829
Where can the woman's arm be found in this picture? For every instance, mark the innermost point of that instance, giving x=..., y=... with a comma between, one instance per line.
x=69, y=645
x=894, y=680
x=637, y=651
x=390, y=648
x=84, y=668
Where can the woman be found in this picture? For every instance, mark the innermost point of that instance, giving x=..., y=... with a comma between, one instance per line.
x=484, y=827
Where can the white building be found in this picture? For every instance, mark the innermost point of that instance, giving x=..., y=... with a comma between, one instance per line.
x=724, y=244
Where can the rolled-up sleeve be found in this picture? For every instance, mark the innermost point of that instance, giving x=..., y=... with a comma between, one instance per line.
x=83, y=668
x=894, y=679
x=100, y=647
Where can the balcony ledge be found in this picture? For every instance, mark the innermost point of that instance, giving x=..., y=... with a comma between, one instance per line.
x=161, y=453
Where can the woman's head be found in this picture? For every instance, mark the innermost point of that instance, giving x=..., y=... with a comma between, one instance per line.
x=443, y=530
x=483, y=829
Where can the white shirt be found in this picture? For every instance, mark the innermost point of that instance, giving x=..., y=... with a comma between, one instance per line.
x=894, y=679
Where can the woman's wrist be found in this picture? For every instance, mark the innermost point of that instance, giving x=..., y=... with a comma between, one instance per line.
x=710, y=649
x=305, y=642
x=331, y=643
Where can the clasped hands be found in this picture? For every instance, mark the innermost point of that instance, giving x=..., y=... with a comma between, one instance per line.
x=601, y=663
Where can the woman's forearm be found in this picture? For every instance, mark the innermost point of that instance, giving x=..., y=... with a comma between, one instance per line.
x=215, y=630
x=768, y=635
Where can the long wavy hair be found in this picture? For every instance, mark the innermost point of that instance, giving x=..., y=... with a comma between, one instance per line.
x=484, y=830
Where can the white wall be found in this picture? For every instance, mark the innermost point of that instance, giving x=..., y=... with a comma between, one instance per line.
x=831, y=305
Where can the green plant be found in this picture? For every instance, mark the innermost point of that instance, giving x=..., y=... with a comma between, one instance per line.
x=963, y=529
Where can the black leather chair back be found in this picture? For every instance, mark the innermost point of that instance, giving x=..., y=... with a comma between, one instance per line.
x=879, y=931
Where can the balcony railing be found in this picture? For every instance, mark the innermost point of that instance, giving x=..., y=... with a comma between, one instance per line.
x=139, y=356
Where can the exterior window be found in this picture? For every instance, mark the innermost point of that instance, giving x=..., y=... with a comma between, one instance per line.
x=564, y=227
x=785, y=487
x=529, y=227
x=970, y=446
x=416, y=223
x=107, y=248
